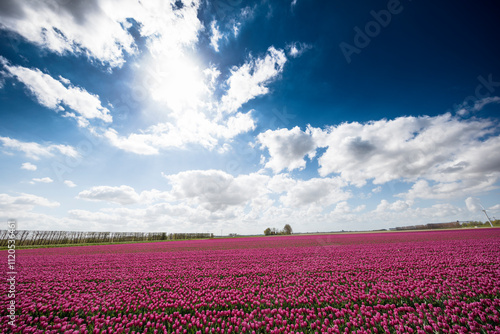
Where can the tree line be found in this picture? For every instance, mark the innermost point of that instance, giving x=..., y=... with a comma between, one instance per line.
x=40, y=238
x=456, y=224
x=274, y=231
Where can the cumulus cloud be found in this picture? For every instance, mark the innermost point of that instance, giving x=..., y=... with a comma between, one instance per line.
x=344, y=208
x=69, y=183
x=441, y=148
x=397, y=206
x=445, y=190
x=193, y=128
x=24, y=202
x=251, y=79
x=42, y=180
x=473, y=204
x=443, y=155
x=321, y=192
x=165, y=217
x=36, y=151
x=216, y=190
x=138, y=143
x=287, y=148
x=179, y=217
x=89, y=28
x=380, y=150
x=124, y=195
x=28, y=166
x=58, y=95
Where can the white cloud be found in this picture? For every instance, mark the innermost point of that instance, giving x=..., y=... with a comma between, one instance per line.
x=54, y=95
x=164, y=217
x=287, y=148
x=28, y=166
x=456, y=156
x=216, y=190
x=397, y=206
x=445, y=190
x=321, y=192
x=42, y=180
x=281, y=183
x=100, y=29
x=473, y=204
x=242, y=17
x=251, y=79
x=478, y=105
x=442, y=149
x=124, y=195
x=296, y=49
x=135, y=143
x=169, y=28
x=216, y=36
x=81, y=27
x=344, y=208
x=192, y=128
x=65, y=81
x=24, y=202
x=69, y=183
x=36, y=151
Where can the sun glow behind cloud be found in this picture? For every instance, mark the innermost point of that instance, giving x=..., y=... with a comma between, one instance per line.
x=177, y=81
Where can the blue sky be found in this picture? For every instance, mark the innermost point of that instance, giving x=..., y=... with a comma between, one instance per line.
x=240, y=115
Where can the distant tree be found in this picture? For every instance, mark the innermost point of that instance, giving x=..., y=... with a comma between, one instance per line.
x=267, y=231
x=287, y=229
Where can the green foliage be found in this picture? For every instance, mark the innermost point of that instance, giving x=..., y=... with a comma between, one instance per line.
x=287, y=230
x=475, y=223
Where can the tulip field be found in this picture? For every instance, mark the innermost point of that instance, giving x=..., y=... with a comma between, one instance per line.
x=402, y=282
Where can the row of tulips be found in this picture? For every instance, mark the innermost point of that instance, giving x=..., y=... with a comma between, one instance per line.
x=412, y=282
